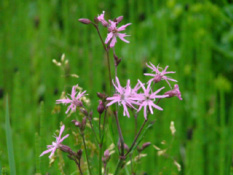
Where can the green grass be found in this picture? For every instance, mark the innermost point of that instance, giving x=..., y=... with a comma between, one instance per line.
x=195, y=38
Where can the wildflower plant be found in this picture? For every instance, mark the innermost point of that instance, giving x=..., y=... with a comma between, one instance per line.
x=144, y=96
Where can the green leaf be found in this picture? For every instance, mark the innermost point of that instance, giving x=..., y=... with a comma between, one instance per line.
x=9, y=141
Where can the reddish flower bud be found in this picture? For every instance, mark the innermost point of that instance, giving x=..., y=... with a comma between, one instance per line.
x=119, y=19
x=174, y=92
x=126, y=147
x=83, y=125
x=65, y=148
x=106, y=156
x=84, y=111
x=79, y=154
x=76, y=123
x=145, y=145
x=84, y=20
x=101, y=95
x=101, y=107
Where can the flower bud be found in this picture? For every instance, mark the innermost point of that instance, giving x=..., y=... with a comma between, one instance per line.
x=101, y=107
x=96, y=20
x=84, y=111
x=79, y=154
x=126, y=147
x=84, y=20
x=174, y=92
x=65, y=148
x=117, y=60
x=83, y=125
x=101, y=95
x=119, y=19
x=106, y=156
x=76, y=123
x=145, y=145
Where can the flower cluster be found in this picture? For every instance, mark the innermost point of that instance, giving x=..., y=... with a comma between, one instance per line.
x=113, y=30
x=142, y=96
x=131, y=97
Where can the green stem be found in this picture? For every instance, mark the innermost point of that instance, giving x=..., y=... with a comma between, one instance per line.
x=120, y=134
x=136, y=137
x=85, y=147
x=107, y=52
x=100, y=159
x=118, y=166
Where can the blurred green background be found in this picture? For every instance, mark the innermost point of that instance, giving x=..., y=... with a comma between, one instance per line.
x=195, y=38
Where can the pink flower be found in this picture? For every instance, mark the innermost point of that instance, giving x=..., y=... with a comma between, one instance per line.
x=74, y=101
x=174, y=92
x=124, y=96
x=101, y=19
x=55, y=145
x=147, y=99
x=114, y=32
x=159, y=75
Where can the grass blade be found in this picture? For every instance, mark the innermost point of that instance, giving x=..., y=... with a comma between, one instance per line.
x=9, y=141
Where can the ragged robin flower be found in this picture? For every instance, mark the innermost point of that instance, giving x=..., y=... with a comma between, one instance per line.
x=148, y=98
x=55, y=145
x=74, y=101
x=159, y=74
x=114, y=33
x=124, y=96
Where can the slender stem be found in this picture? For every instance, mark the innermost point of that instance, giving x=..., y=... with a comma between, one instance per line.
x=100, y=159
x=136, y=122
x=120, y=134
x=105, y=169
x=105, y=117
x=107, y=52
x=79, y=167
x=118, y=167
x=85, y=147
x=115, y=65
x=93, y=130
x=99, y=126
x=136, y=137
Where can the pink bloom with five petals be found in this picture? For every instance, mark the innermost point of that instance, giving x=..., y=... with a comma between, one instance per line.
x=55, y=145
x=147, y=99
x=114, y=33
x=124, y=96
x=159, y=75
x=74, y=101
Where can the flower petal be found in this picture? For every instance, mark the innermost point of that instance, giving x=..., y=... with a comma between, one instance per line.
x=109, y=36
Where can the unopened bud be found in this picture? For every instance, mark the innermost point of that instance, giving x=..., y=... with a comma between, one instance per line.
x=83, y=125
x=96, y=20
x=84, y=111
x=84, y=20
x=119, y=19
x=126, y=147
x=116, y=59
x=101, y=107
x=76, y=123
x=106, y=156
x=101, y=95
x=62, y=57
x=174, y=92
x=172, y=128
x=145, y=145
x=79, y=154
x=106, y=153
x=65, y=148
